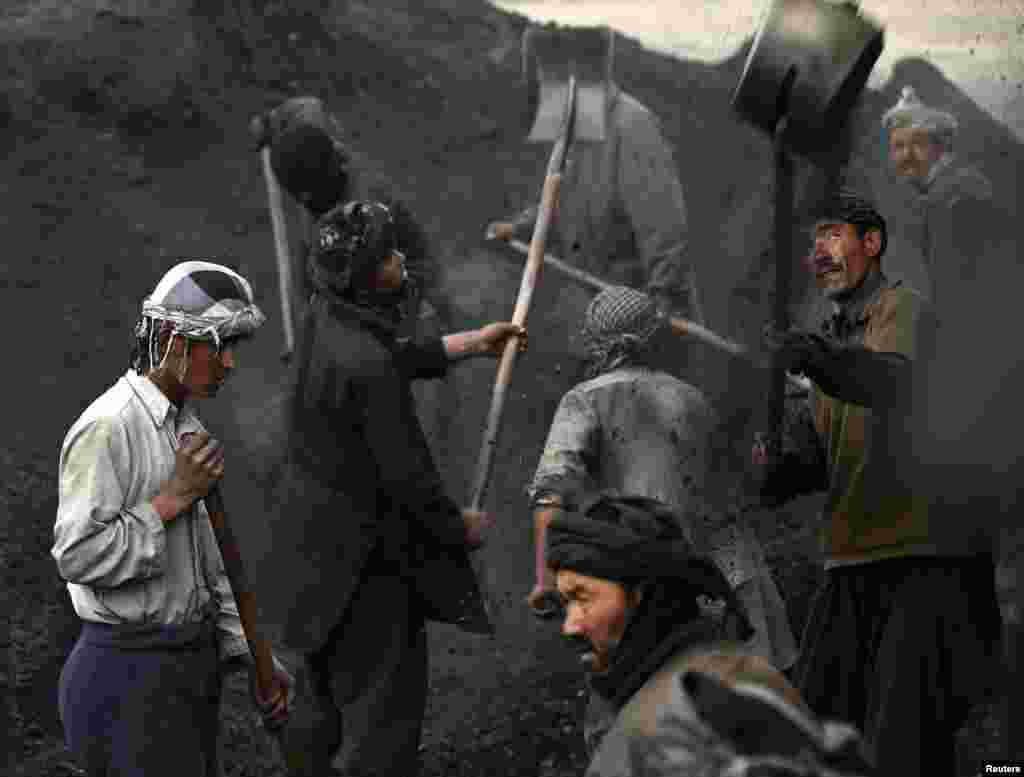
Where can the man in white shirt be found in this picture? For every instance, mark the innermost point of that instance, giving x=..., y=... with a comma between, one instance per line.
x=139, y=693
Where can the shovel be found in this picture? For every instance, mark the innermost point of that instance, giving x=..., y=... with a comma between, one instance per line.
x=585, y=54
x=807, y=67
x=565, y=64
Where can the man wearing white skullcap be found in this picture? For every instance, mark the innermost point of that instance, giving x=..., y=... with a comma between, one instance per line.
x=139, y=693
x=955, y=197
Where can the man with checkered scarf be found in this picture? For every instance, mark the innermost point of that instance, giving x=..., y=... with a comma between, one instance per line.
x=634, y=428
x=139, y=694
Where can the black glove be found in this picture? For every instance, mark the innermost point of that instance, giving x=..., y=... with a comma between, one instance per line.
x=779, y=476
x=794, y=350
x=850, y=373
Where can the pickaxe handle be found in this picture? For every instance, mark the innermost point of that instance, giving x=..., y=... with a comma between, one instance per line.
x=782, y=225
x=680, y=326
x=531, y=274
x=245, y=599
x=275, y=200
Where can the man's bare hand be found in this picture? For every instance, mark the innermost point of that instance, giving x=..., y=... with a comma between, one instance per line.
x=273, y=710
x=500, y=230
x=487, y=341
x=491, y=339
x=476, y=523
x=198, y=465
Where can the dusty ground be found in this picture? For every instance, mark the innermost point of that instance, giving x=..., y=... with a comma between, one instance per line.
x=126, y=148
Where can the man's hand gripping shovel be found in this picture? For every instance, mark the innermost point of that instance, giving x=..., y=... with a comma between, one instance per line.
x=804, y=74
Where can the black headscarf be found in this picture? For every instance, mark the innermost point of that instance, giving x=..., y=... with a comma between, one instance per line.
x=351, y=242
x=311, y=167
x=686, y=599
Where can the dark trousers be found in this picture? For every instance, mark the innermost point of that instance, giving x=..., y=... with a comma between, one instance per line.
x=142, y=706
x=364, y=695
x=903, y=649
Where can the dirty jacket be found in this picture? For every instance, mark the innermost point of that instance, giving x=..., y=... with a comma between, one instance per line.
x=622, y=214
x=358, y=474
x=958, y=219
x=859, y=438
x=712, y=711
x=645, y=432
x=122, y=564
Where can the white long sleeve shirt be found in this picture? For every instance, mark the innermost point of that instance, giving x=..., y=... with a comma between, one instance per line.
x=122, y=564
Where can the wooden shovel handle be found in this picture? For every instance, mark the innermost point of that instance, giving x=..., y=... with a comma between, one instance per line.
x=782, y=236
x=245, y=599
x=531, y=274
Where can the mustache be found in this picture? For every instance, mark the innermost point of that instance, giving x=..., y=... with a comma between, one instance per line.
x=823, y=262
x=814, y=262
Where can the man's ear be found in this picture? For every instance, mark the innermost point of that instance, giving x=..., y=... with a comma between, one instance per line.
x=177, y=347
x=636, y=594
x=873, y=243
x=937, y=149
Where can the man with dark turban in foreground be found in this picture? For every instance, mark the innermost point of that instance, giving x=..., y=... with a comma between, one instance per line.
x=633, y=427
x=662, y=631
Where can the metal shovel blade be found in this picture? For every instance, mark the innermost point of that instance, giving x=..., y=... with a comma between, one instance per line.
x=809, y=61
x=558, y=54
x=590, y=113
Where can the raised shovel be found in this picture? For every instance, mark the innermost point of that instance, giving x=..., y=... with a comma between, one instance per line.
x=572, y=66
x=807, y=67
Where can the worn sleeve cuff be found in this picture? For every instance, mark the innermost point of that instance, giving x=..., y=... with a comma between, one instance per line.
x=154, y=538
x=231, y=644
x=448, y=525
x=565, y=486
x=434, y=358
x=424, y=358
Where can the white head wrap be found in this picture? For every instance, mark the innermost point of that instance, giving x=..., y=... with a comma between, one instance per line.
x=910, y=113
x=203, y=301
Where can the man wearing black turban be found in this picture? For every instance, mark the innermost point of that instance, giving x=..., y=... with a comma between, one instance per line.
x=662, y=630
x=633, y=427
